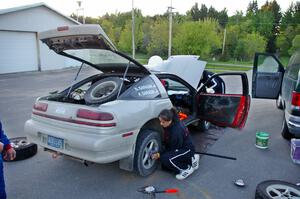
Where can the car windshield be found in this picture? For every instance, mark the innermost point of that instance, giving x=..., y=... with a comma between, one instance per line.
x=97, y=56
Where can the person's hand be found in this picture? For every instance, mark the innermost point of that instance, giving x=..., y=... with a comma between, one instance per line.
x=155, y=156
x=1, y=147
x=10, y=154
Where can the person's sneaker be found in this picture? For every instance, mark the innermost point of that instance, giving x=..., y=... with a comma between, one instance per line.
x=195, y=161
x=185, y=173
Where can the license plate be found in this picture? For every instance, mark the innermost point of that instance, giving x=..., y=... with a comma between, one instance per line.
x=55, y=142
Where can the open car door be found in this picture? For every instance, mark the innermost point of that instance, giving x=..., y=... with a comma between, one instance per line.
x=267, y=76
x=229, y=108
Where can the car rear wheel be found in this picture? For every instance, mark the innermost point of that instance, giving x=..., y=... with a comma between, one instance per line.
x=285, y=130
x=148, y=142
x=276, y=189
x=103, y=90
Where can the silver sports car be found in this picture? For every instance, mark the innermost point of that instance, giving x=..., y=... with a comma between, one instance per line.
x=112, y=116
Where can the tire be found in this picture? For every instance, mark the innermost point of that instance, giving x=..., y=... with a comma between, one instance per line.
x=148, y=141
x=279, y=103
x=24, y=149
x=285, y=133
x=271, y=189
x=103, y=90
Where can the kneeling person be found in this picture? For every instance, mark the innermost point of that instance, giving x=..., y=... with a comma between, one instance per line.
x=179, y=154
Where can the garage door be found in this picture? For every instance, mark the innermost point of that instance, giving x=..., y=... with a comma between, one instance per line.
x=18, y=52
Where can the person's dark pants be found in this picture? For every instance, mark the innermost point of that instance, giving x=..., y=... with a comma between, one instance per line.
x=2, y=184
x=176, y=160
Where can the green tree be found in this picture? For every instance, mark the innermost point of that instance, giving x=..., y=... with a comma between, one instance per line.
x=159, y=38
x=203, y=12
x=223, y=18
x=252, y=8
x=232, y=37
x=236, y=19
x=285, y=39
x=295, y=44
x=248, y=45
x=212, y=13
x=125, y=43
x=194, y=12
x=273, y=8
x=197, y=38
x=287, y=17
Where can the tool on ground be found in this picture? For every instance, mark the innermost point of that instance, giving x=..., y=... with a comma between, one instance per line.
x=152, y=191
x=216, y=155
x=239, y=183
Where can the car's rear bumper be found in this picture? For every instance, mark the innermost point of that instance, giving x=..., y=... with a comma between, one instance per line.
x=293, y=123
x=93, y=147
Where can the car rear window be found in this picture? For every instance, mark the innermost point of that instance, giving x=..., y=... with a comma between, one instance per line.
x=97, y=56
x=142, y=90
x=294, y=65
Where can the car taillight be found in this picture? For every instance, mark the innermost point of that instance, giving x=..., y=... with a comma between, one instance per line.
x=40, y=106
x=295, y=98
x=94, y=115
x=63, y=28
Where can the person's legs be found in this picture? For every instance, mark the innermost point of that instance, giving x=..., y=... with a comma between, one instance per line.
x=2, y=184
x=182, y=159
x=165, y=161
x=176, y=160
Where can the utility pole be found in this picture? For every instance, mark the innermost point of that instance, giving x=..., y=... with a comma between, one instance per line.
x=80, y=9
x=133, y=45
x=170, y=29
x=224, y=40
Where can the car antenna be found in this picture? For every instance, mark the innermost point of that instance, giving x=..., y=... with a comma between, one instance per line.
x=126, y=70
x=74, y=80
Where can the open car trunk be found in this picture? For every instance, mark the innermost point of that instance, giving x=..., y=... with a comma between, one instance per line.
x=90, y=45
x=94, y=90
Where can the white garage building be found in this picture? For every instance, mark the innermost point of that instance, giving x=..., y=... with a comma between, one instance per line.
x=20, y=49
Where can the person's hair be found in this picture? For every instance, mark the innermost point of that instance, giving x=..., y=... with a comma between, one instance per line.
x=169, y=114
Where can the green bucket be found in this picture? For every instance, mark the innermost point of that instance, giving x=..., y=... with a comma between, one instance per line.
x=262, y=139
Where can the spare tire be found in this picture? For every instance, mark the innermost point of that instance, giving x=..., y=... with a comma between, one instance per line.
x=103, y=90
x=272, y=189
x=24, y=149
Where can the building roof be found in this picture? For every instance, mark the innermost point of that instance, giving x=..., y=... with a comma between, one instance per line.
x=25, y=7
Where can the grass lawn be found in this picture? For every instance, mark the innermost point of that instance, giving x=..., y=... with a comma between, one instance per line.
x=211, y=67
x=246, y=63
x=143, y=59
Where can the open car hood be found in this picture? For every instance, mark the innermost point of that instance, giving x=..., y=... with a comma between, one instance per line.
x=87, y=38
x=187, y=67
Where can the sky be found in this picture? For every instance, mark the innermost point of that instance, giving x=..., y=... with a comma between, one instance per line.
x=96, y=8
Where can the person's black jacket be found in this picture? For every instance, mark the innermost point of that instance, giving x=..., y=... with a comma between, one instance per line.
x=177, y=136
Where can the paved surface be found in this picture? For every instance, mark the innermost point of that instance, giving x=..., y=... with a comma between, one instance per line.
x=43, y=177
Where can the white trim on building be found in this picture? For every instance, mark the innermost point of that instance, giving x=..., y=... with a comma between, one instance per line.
x=20, y=48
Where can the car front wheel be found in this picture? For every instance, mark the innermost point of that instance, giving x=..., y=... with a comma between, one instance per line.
x=148, y=142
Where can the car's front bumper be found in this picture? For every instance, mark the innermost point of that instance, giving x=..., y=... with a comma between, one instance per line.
x=93, y=147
